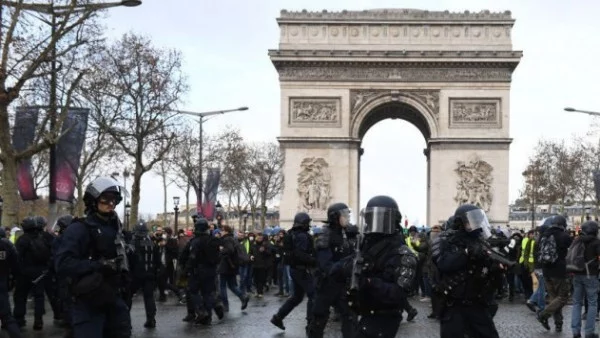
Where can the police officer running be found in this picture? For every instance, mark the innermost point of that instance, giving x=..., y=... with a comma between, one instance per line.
x=331, y=247
x=201, y=267
x=299, y=254
x=34, y=255
x=464, y=266
x=386, y=272
x=9, y=265
x=93, y=255
x=144, y=268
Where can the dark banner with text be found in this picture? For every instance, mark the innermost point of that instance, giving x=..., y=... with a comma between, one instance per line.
x=23, y=135
x=211, y=188
x=68, y=152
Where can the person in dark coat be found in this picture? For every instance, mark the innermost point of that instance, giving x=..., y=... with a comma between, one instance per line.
x=261, y=255
x=228, y=268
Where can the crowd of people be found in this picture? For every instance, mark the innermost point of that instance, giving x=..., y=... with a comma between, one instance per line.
x=90, y=269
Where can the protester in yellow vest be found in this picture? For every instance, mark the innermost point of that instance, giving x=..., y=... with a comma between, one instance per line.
x=412, y=240
x=527, y=258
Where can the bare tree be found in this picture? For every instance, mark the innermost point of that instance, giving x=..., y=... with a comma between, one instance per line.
x=145, y=83
x=28, y=42
x=266, y=174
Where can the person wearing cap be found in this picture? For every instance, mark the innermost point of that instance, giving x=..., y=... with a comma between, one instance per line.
x=555, y=274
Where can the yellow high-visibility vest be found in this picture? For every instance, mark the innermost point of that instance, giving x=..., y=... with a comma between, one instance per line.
x=410, y=245
x=523, y=246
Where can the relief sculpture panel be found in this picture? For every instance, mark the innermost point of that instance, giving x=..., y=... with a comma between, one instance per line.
x=314, y=184
x=474, y=184
x=315, y=112
x=475, y=113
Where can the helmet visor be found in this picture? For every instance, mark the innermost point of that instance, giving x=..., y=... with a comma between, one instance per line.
x=477, y=219
x=345, y=215
x=378, y=220
x=106, y=185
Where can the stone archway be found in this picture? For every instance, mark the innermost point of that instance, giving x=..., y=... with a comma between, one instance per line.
x=447, y=73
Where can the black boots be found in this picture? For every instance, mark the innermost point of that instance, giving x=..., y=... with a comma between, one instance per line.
x=277, y=321
x=150, y=323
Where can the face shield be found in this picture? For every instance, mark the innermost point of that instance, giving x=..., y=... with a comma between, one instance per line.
x=345, y=215
x=477, y=219
x=378, y=220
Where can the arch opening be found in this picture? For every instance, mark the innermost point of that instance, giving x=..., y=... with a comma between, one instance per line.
x=395, y=110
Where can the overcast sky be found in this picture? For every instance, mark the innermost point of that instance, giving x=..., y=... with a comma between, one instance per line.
x=225, y=45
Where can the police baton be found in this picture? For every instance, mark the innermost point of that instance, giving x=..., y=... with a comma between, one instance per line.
x=37, y=280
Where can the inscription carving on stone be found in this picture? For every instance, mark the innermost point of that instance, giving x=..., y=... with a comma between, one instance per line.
x=475, y=113
x=474, y=184
x=350, y=73
x=314, y=184
x=314, y=110
x=429, y=98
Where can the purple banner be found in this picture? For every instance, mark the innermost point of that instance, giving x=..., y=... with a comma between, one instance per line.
x=68, y=152
x=23, y=134
x=211, y=188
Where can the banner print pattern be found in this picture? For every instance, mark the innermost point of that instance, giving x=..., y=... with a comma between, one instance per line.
x=68, y=152
x=23, y=135
x=211, y=188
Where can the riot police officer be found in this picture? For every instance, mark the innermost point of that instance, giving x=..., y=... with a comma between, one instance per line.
x=386, y=272
x=34, y=256
x=299, y=254
x=64, y=296
x=92, y=254
x=331, y=247
x=201, y=267
x=144, y=271
x=9, y=265
x=464, y=265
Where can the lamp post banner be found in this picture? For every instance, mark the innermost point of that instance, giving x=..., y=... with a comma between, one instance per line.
x=211, y=188
x=23, y=135
x=68, y=152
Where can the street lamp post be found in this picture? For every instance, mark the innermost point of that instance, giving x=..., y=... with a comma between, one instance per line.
x=176, y=209
x=201, y=117
x=127, y=213
x=1, y=206
x=56, y=11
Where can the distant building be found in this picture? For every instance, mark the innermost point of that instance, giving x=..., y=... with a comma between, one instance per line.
x=520, y=217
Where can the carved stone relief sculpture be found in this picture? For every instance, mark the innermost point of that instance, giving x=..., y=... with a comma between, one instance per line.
x=314, y=184
x=429, y=98
x=469, y=113
x=315, y=110
x=474, y=184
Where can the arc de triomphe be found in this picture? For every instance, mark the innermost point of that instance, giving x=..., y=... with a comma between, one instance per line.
x=447, y=73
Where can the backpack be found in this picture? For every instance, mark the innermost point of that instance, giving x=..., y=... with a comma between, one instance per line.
x=240, y=256
x=40, y=250
x=576, y=258
x=548, y=251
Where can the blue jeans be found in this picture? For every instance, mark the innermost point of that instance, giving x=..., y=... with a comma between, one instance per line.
x=588, y=286
x=283, y=278
x=427, y=291
x=230, y=281
x=539, y=296
x=245, y=272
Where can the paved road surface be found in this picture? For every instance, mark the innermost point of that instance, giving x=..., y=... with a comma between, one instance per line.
x=512, y=321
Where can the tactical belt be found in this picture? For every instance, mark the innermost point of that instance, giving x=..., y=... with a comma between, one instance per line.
x=389, y=312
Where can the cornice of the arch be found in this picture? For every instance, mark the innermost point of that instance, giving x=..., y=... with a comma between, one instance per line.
x=364, y=101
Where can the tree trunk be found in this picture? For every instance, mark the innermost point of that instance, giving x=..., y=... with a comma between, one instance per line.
x=9, y=192
x=187, y=205
x=80, y=207
x=135, y=194
x=263, y=210
x=164, y=181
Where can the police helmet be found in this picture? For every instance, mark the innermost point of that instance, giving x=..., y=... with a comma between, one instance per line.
x=471, y=218
x=590, y=228
x=559, y=221
x=62, y=223
x=29, y=224
x=381, y=215
x=99, y=186
x=335, y=211
x=40, y=222
x=201, y=225
x=141, y=229
x=302, y=219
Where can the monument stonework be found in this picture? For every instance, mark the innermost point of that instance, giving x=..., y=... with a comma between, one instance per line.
x=447, y=73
